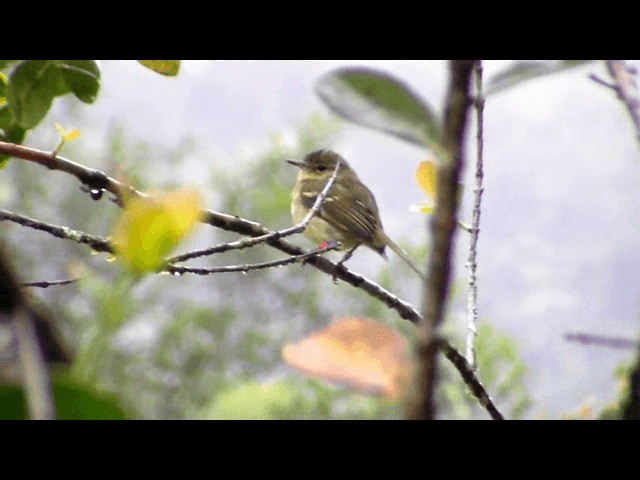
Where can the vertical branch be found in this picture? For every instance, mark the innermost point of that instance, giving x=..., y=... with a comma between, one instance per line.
x=443, y=226
x=35, y=372
x=472, y=296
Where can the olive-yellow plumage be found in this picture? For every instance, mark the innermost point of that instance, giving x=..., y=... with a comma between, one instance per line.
x=349, y=213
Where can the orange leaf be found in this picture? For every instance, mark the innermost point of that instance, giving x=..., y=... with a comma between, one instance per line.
x=426, y=176
x=362, y=354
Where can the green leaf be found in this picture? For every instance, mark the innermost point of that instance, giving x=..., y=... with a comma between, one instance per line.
x=522, y=71
x=5, y=63
x=31, y=89
x=169, y=68
x=73, y=401
x=5, y=116
x=82, y=78
x=377, y=100
x=11, y=134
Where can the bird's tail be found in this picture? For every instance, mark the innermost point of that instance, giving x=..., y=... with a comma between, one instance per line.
x=402, y=254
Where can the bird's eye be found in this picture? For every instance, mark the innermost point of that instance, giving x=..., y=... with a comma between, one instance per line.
x=322, y=168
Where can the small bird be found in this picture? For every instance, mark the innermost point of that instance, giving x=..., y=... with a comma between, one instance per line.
x=349, y=213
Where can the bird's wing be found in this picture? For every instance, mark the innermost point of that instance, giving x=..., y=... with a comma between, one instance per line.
x=351, y=208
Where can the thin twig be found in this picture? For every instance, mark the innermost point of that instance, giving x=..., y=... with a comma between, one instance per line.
x=625, y=87
x=98, y=244
x=179, y=270
x=45, y=284
x=443, y=227
x=96, y=181
x=472, y=265
x=250, y=242
x=589, y=339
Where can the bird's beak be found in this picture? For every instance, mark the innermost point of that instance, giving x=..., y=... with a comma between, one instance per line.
x=297, y=164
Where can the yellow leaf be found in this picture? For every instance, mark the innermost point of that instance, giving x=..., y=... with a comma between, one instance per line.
x=72, y=135
x=164, y=67
x=426, y=176
x=150, y=228
x=60, y=129
x=362, y=354
x=67, y=136
x=422, y=207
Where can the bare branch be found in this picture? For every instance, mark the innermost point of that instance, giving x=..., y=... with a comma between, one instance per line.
x=96, y=181
x=612, y=342
x=250, y=242
x=443, y=224
x=469, y=377
x=625, y=87
x=45, y=284
x=98, y=244
x=178, y=270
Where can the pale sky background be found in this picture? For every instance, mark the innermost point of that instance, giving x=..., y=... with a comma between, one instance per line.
x=559, y=244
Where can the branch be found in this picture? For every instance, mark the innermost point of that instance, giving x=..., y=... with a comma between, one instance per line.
x=472, y=297
x=443, y=225
x=625, y=87
x=98, y=244
x=34, y=368
x=96, y=181
x=178, y=270
x=469, y=377
x=31, y=345
x=250, y=242
x=44, y=284
x=612, y=342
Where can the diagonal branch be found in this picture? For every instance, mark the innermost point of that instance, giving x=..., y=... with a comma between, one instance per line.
x=98, y=244
x=179, y=270
x=625, y=87
x=96, y=181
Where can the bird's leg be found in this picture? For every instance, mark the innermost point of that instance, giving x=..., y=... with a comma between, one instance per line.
x=340, y=265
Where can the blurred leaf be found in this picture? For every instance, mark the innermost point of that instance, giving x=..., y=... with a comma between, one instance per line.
x=3, y=88
x=360, y=353
x=169, y=68
x=426, y=176
x=422, y=207
x=32, y=87
x=67, y=136
x=82, y=77
x=11, y=134
x=149, y=229
x=5, y=116
x=523, y=71
x=5, y=63
x=377, y=100
x=254, y=401
x=73, y=401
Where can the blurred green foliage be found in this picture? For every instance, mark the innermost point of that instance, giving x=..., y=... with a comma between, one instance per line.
x=210, y=347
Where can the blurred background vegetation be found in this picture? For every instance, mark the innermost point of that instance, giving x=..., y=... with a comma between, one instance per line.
x=178, y=347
